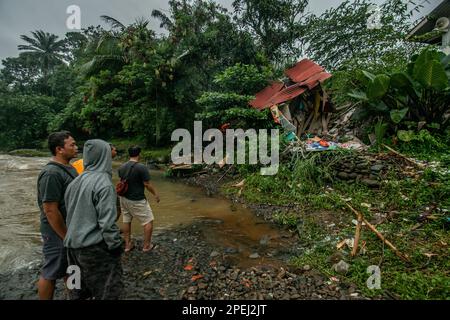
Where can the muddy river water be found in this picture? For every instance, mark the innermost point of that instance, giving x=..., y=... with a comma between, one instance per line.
x=232, y=225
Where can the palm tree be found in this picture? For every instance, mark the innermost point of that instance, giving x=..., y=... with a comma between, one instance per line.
x=111, y=49
x=45, y=48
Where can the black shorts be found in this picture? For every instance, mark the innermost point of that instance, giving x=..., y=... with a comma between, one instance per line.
x=55, y=257
x=101, y=272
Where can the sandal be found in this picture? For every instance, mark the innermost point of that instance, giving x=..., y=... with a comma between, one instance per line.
x=153, y=246
x=130, y=248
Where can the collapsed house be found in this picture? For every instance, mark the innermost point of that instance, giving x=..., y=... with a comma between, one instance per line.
x=300, y=105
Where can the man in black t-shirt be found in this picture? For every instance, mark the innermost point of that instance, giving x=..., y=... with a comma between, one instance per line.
x=51, y=185
x=134, y=204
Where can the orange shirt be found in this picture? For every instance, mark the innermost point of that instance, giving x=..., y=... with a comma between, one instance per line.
x=78, y=165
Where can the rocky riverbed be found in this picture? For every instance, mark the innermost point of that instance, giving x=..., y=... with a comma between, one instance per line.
x=184, y=265
x=188, y=264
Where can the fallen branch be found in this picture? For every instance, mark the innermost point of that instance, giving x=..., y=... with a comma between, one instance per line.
x=421, y=166
x=225, y=173
x=379, y=235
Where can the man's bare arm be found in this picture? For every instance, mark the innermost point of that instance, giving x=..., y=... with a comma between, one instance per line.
x=152, y=190
x=55, y=218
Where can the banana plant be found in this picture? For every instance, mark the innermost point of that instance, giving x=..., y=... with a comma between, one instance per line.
x=419, y=93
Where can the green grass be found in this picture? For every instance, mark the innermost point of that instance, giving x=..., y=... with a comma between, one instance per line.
x=399, y=202
x=161, y=154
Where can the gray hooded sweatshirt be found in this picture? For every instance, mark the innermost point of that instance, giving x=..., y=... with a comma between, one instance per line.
x=91, y=201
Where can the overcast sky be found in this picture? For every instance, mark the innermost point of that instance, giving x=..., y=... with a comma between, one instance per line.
x=19, y=17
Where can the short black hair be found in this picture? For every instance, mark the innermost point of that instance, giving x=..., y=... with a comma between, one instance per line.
x=56, y=139
x=134, y=151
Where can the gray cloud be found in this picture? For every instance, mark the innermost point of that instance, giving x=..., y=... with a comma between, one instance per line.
x=19, y=17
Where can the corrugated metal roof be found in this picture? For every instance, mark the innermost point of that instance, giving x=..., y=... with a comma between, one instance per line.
x=306, y=74
x=303, y=70
x=316, y=79
x=262, y=98
x=287, y=94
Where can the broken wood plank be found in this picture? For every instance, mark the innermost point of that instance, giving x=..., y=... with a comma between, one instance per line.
x=402, y=256
x=305, y=128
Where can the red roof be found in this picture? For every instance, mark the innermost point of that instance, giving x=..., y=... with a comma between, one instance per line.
x=303, y=70
x=262, y=98
x=306, y=74
x=316, y=79
x=287, y=94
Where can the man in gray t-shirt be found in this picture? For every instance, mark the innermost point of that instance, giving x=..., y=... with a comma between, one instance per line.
x=52, y=183
x=134, y=204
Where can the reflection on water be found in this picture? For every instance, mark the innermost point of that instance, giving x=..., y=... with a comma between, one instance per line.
x=20, y=240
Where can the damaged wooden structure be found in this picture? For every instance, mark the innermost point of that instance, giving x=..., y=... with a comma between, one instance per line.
x=299, y=104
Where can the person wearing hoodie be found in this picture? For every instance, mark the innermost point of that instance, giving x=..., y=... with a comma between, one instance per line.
x=93, y=239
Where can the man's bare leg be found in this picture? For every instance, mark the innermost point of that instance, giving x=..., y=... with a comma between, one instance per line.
x=127, y=236
x=148, y=230
x=46, y=289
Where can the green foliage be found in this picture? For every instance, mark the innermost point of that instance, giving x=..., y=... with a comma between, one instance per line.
x=398, y=115
x=424, y=145
x=23, y=120
x=286, y=219
x=213, y=101
x=378, y=87
x=160, y=155
x=419, y=93
x=278, y=26
x=243, y=79
x=239, y=118
x=231, y=104
x=339, y=39
x=380, y=129
x=22, y=73
x=45, y=48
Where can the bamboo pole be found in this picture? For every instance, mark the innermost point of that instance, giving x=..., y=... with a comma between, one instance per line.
x=379, y=235
x=357, y=234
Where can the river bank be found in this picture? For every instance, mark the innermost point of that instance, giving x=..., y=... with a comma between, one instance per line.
x=208, y=247
x=409, y=207
x=185, y=265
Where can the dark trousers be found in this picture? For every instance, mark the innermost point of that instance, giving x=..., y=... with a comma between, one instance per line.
x=101, y=273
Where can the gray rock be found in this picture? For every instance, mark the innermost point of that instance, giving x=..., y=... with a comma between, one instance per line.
x=306, y=267
x=192, y=289
x=370, y=182
x=352, y=175
x=264, y=240
x=377, y=167
x=342, y=175
x=230, y=250
x=214, y=254
x=254, y=255
x=341, y=267
x=361, y=166
x=281, y=274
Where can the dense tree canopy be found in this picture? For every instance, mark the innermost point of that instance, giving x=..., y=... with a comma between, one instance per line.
x=127, y=81
x=342, y=37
